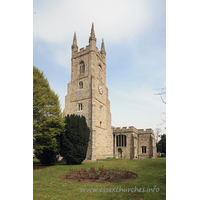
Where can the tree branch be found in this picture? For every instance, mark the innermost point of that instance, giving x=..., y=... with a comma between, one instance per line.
x=162, y=99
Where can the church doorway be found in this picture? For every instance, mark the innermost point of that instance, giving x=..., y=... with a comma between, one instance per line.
x=119, y=153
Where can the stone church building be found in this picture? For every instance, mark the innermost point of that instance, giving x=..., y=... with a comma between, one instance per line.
x=88, y=96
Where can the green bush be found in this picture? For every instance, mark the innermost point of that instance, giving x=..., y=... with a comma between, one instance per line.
x=74, y=140
x=47, y=157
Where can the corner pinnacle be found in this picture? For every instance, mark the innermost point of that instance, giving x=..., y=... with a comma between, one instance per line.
x=103, y=47
x=92, y=34
x=74, y=41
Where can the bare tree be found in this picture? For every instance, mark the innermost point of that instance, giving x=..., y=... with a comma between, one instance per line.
x=157, y=132
x=164, y=121
x=163, y=92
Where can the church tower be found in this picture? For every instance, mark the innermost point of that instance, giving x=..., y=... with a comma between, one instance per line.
x=88, y=96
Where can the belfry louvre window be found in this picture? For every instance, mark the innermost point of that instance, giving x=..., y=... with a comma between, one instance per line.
x=80, y=106
x=80, y=85
x=82, y=68
x=121, y=141
x=144, y=149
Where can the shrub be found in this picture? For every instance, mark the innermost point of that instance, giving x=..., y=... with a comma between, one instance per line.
x=47, y=157
x=74, y=140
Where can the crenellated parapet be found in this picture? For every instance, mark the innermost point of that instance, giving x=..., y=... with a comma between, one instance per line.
x=149, y=130
x=125, y=129
x=81, y=52
x=86, y=50
x=132, y=129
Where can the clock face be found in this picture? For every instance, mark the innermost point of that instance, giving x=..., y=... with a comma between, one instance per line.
x=100, y=89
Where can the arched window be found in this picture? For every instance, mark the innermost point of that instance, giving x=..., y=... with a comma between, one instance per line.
x=80, y=85
x=121, y=141
x=99, y=68
x=82, y=68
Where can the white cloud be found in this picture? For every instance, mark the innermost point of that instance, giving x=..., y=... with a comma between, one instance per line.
x=113, y=19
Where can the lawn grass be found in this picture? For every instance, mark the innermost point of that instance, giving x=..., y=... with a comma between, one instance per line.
x=35, y=161
x=151, y=173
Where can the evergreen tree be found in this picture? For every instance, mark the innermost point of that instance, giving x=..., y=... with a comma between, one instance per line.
x=47, y=119
x=161, y=145
x=74, y=140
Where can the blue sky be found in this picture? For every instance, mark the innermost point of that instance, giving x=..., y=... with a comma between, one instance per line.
x=134, y=34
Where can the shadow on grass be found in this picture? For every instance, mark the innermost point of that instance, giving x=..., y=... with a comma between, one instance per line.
x=61, y=162
x=163, y=180
x=39, y=167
